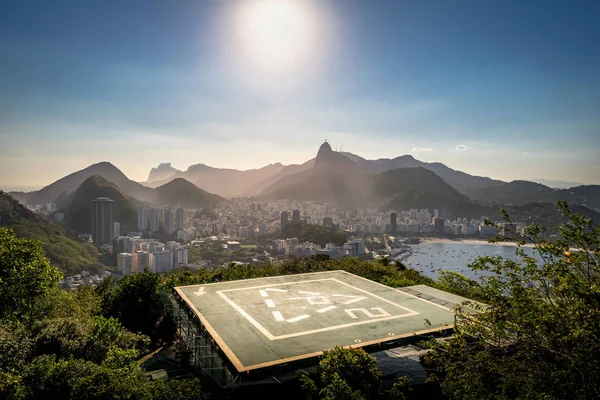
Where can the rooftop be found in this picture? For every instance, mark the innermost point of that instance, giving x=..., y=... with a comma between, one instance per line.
x=269, y=321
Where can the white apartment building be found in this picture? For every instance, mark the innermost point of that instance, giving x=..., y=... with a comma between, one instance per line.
x=125, y=263
x=161, y=261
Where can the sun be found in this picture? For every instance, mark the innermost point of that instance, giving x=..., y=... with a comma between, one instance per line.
x=276, y=35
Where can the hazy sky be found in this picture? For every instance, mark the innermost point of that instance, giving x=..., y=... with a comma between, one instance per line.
x=507, y=89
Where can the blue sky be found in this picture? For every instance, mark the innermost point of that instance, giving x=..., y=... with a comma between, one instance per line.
x=507, y=89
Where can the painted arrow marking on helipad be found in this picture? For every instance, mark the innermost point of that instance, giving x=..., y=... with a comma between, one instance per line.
x=200, y=291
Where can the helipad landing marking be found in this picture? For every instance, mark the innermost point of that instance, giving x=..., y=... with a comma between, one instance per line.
x=298, y=318
x=353, y=299
x=200, y=291
x=270, y=336
x=263, y=293
x=322, y=310
x=278, y=316
x=351, y=312
x=270, y=303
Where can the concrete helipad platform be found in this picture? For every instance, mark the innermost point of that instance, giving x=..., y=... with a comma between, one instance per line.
x=269, y=321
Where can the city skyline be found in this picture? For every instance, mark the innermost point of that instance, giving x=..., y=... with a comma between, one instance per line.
x=506, y=90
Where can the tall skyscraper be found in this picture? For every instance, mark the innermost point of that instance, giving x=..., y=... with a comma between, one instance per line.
x=168, y=221
x=153, y=226
x=179, y=218
x=116, y=229
x=102, y=221
x=285, y=220
x=296, y=217
x=394, y=223
x=142, y=219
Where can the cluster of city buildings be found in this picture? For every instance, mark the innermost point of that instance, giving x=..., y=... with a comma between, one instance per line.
x=247, y=220
x=135, y=251
x=134, y=254
x=293, y=248
x=151, y=220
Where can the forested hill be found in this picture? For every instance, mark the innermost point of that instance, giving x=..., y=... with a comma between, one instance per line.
x=68, y=254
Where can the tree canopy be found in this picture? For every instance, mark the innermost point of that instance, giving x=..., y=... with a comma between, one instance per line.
x=539, y=336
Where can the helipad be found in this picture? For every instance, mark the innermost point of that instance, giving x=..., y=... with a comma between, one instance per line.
x=268, y=321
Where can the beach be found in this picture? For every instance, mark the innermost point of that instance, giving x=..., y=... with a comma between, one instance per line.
x=471, y=241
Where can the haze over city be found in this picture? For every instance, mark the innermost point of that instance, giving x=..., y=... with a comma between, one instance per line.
x=508, y=90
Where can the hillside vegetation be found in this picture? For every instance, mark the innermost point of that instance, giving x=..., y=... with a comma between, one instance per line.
x=68, y=254
x=78, y=206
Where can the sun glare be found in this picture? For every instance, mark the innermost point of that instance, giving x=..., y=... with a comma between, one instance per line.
x=276, y=35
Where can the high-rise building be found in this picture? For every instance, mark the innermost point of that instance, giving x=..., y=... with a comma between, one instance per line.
x=439, y=224
x=102, y=221
x=116, y=229
x=154, y=247
x=436, y=213
x=179, y=218
x=328, y=222
x=123, y=244
x=183, y=236
x=153, y=225
x=168, y=221
x=142, y=219
x=182, y=255
x=394, y=223
x=125, y=263
x=296, y=217
x=143, y=260
x=285, y=220
x=262, y=229
x=161, y=261
x=172, y=246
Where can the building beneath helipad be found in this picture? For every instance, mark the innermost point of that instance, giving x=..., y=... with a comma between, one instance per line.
x=256, y=329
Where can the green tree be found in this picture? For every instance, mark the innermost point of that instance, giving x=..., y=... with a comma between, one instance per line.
x=52, y=378
x=539, y=336
x=184, y=389
x=135, y=301
x=345, y=374
x=25, y=275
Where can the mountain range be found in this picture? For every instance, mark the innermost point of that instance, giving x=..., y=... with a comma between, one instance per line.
x=337, y=177
x=172, y=193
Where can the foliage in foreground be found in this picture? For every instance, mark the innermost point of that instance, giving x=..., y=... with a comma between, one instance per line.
x=350, y=374
x=55, y=344
x=540, y=336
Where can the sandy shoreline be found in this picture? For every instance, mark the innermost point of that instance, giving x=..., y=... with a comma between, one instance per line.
x=470, y=241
